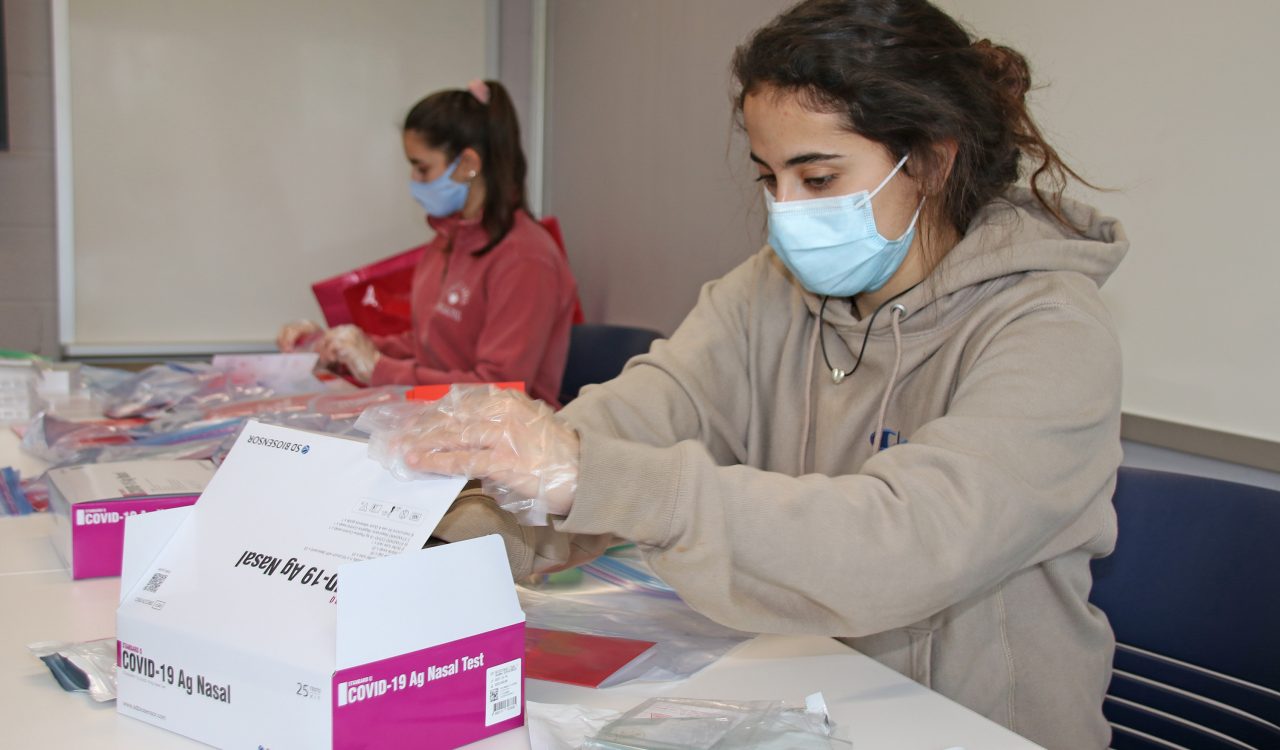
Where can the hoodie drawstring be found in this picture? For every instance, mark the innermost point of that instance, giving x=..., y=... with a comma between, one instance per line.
x=895, y=315
x=808, y=392
x=837, y=376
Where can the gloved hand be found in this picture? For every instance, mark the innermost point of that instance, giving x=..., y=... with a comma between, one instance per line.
x=297, y=335
x=525, y=456
x=348, y=345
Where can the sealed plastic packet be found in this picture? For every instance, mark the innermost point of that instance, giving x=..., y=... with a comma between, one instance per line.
x=88, y=667
x=689, y=724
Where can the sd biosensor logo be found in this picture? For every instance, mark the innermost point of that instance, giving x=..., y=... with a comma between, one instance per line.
x=283, y=445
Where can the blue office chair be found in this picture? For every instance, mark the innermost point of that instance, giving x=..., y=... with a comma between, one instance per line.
x=1193, y=594
x=598, y=352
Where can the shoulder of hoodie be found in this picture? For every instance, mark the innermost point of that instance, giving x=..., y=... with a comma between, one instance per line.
x=759, y=284
x=528, y=244
x=1029, y=289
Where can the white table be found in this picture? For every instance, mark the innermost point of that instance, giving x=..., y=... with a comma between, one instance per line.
x=11, y=454
x=872, y=705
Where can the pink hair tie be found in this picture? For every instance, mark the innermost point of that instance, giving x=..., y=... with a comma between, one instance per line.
x=480, y=90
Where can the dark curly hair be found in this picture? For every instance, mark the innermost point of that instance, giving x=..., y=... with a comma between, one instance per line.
x=906, y=75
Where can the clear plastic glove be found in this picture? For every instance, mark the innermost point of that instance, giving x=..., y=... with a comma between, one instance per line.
x=525, y=456
x=350, y=346
x=296, y=336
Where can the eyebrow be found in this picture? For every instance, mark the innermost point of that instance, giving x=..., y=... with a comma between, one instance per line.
x=809, y=158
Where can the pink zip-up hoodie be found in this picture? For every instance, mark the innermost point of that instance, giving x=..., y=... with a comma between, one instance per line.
x=503, y=315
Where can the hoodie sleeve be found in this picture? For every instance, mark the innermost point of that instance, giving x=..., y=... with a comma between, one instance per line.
x=685, y=388
x=395, y=345
x=1009, y=477
x=658, y=400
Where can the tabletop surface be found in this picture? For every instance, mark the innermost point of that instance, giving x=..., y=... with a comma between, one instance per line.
x=871, y=705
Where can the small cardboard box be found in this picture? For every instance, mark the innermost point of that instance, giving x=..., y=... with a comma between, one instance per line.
x=232, y=629
x=91, y=502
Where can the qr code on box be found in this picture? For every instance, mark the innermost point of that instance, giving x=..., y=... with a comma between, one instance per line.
x=154, y=584
x=503, y=682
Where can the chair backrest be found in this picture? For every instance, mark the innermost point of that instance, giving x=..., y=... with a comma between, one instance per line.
x=598, y=352
x=1193, y=594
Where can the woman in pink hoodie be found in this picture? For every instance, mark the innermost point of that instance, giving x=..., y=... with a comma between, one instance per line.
x=493, y=297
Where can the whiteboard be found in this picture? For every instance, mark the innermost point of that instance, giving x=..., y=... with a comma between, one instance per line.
x=224, y=154
x=1171, y=105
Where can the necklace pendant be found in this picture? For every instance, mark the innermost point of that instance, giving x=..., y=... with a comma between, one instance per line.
x=837, y=375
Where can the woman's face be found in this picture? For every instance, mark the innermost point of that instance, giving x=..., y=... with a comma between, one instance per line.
x=425, y=163
x=801, y=154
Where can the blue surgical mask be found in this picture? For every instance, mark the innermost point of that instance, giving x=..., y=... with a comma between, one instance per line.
x=441, y=196
x=832, y=245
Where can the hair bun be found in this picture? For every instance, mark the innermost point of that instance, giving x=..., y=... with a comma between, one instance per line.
x=1004, y=67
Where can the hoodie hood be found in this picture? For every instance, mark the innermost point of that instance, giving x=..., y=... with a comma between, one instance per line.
x=1011, y=236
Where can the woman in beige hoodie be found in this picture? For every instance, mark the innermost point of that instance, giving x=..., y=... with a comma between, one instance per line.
x=898, y=424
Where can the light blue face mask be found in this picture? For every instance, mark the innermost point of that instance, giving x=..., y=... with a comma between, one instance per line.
x=832, y=245
x=441, y=196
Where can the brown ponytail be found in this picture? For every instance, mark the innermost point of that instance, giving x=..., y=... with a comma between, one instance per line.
x=457, y=119
x=908, y=76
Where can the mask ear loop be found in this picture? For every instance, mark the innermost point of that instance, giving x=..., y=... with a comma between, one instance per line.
x=897, y=168
x=914, y=218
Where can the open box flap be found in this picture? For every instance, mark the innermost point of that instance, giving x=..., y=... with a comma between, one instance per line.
x=145, y=536
x=255, y=563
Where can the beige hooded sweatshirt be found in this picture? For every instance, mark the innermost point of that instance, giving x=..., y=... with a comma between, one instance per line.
x=958, y=555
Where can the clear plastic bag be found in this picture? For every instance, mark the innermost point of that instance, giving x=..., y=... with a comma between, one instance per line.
x=64, y=443
x=191, y=432
x=175, y=386
x=685, y=640
x=88, y=667
x=689, y=724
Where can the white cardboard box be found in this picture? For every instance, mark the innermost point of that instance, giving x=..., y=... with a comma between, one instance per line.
x=232, y=630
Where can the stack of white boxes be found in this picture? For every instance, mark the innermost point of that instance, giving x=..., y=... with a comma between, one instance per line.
x=19, y=384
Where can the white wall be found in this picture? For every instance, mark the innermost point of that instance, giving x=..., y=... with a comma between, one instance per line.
x=1173, y=104
x=646, y=172
x=227, y=153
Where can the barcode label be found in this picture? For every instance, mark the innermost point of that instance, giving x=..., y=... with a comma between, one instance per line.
x=503, y=684
x=154, y=584
x=504, y=705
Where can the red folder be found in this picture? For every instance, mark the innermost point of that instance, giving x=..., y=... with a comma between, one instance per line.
x=577, y=658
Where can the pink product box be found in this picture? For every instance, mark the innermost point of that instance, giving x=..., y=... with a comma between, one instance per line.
x=443, y=697
x=96, y=530
x=91, y=502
